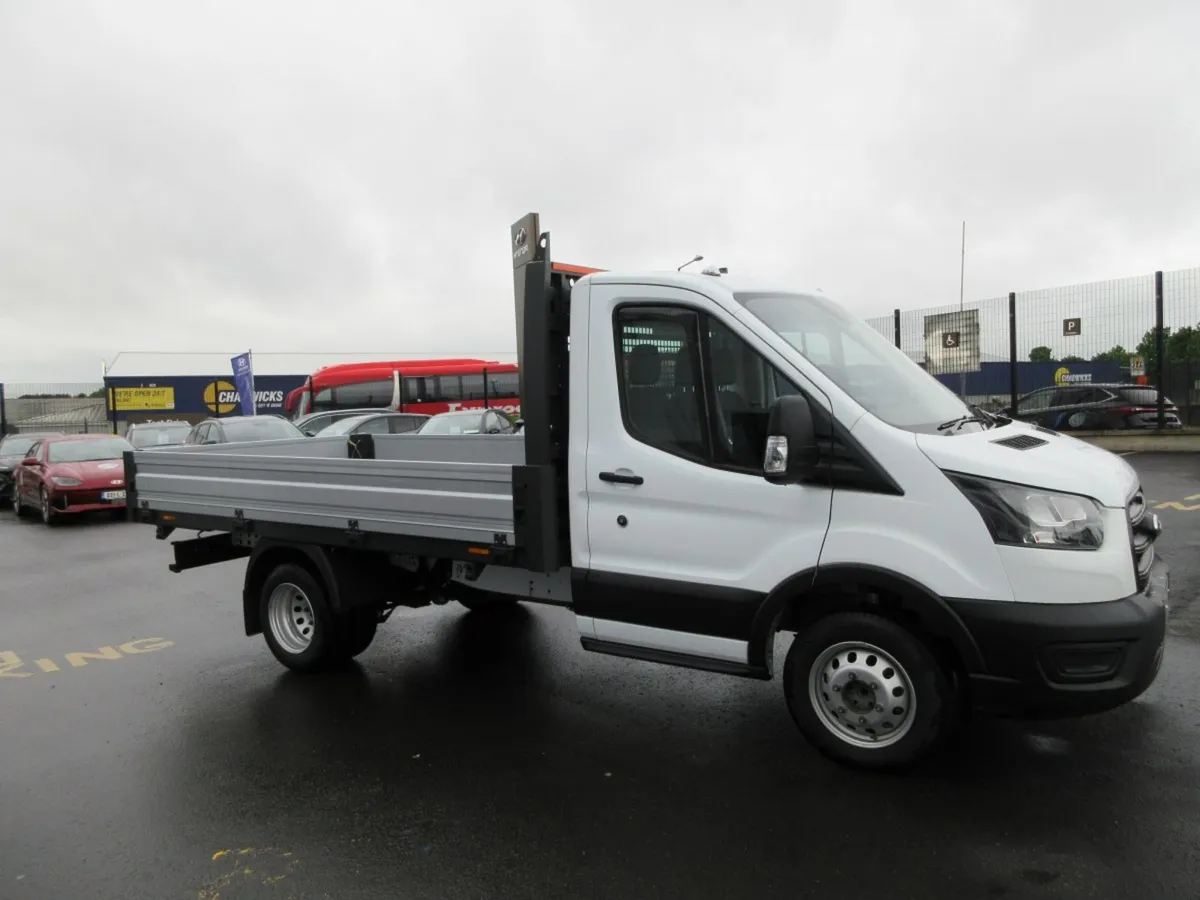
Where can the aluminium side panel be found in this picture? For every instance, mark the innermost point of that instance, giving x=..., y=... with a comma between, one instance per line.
x=467, y=502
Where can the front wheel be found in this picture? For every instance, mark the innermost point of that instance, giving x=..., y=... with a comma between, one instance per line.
x=867, y=692
x=49, y=516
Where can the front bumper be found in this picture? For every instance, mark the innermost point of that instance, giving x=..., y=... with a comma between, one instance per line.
x=1066, y=659
x=85, y=500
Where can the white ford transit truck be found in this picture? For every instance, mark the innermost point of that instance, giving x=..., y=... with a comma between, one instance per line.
x=706, y=462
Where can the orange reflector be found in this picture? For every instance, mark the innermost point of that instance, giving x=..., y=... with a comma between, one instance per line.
x=479, y=551
x=572, y=270
x=167, y=518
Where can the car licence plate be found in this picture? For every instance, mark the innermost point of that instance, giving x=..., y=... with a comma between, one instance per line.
x=113, y=495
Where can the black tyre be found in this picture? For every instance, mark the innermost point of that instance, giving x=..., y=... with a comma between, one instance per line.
x=356, y=631
x=18, y=507
x=296, y=620
x=49, y=515
x=867, y=692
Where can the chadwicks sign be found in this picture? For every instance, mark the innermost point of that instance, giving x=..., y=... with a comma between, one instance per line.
x=222, y=398
x=1063, y=375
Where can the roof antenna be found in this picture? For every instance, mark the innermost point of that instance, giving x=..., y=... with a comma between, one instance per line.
x=695, y=258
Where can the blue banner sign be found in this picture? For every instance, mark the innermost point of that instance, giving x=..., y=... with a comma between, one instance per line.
x=243, y=380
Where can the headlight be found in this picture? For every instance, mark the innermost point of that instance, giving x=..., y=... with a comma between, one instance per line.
x=1031, y=517
x=65, y=481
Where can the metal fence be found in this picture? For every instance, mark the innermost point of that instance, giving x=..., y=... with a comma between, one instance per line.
x=996, y=352
x=53, y=407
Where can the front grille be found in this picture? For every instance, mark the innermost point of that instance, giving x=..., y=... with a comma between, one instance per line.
x=1142, y=533
x=85, y=498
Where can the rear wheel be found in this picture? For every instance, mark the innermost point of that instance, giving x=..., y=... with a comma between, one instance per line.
x=357, y=630
x=297, y=623
x=867, y=692
x=18, y=507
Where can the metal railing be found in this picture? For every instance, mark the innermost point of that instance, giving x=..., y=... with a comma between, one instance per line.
x=1142, y=331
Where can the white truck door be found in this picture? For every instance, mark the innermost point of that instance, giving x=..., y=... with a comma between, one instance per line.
x=685, y=536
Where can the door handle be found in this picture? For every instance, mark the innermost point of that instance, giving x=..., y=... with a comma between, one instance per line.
x=617, y=478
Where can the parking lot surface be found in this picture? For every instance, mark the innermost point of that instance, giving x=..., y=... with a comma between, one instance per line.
x=151, y=750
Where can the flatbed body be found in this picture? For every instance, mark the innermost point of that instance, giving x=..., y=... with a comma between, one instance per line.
x=449, y=494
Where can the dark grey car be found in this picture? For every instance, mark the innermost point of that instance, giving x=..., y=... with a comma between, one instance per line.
x=13, y=449
x=235, y=429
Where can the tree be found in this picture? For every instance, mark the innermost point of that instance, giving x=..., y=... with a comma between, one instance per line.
x=1041, y=354
x=1182, y=346
x=1073, y=359
x=1117, y=354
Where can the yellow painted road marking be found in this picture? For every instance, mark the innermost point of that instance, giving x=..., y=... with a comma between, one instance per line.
x=11, y=662
x=79, y=660
x=1174, y=504
x=270, y=867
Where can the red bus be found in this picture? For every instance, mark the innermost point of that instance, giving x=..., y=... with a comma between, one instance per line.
x=409, y=385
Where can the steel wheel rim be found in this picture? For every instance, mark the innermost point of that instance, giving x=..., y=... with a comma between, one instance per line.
x=290, y=615
x=862, y=694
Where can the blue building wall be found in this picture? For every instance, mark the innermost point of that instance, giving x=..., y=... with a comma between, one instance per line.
x=993, y=378
x=192, y=397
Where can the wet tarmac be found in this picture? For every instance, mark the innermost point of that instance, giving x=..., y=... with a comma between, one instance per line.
x=149, y=749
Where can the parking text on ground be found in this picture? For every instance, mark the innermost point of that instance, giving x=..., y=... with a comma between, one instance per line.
x=13, y=666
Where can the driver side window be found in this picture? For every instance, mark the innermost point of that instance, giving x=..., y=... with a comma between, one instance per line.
x=745, y=387
x=693, y=388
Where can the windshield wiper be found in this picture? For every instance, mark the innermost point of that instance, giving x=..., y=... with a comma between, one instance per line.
x=982, y=416
x=961, y=421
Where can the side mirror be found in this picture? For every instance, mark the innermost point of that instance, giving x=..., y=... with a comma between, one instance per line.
x=308, y=433
x=791, y=452
x=29, y=461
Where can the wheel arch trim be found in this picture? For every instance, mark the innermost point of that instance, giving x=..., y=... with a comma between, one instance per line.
x=934, y=614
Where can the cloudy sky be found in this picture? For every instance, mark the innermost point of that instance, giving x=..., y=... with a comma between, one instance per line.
x=341, y=176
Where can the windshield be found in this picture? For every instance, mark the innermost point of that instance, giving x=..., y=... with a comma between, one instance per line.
x=452, y=425
x=88, y=450
x=858, y=359
x=17, y=444
x=265, y=428
x=159, y=434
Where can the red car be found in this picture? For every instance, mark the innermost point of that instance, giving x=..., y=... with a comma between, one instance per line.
x=68, y=474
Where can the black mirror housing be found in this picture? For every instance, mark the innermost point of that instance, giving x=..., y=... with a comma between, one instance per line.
x=792, y=453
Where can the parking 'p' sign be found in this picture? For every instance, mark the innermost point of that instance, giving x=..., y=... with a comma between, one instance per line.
x=949, y=340
x=1071, y=327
